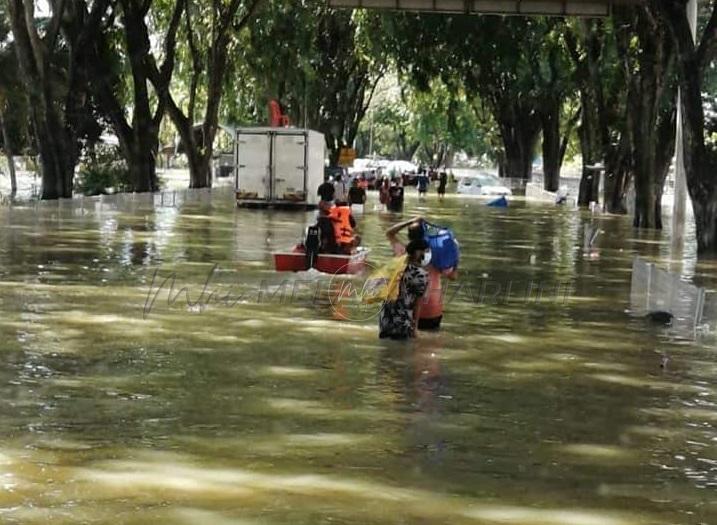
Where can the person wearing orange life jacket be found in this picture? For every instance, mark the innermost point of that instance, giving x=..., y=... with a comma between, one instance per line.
x=344, y=225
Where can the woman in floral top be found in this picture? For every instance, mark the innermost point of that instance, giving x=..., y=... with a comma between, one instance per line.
x=397, y=319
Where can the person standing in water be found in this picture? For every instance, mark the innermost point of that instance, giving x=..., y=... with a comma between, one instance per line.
x=431, y=312
x=422, y=184
x=398, y=319
x=442, y=183
x=357, y=195
x=326, y=193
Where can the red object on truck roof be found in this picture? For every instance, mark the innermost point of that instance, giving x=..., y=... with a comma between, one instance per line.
x=276, y=118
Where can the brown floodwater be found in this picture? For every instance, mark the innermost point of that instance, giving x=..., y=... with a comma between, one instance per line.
x=245, y=397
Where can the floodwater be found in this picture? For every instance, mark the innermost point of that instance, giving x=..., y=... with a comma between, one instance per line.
x=245, y=399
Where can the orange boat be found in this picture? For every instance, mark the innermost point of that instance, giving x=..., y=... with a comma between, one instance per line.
x=297, y=261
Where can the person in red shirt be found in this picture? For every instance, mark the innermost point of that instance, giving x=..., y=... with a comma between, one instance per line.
x=431, y=311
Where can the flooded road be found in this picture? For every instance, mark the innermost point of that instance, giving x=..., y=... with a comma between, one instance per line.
x=241, y=399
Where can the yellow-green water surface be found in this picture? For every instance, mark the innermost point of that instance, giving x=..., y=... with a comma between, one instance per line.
x=252, y=403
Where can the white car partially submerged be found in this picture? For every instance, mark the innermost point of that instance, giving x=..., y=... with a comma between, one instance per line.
x=483, y=184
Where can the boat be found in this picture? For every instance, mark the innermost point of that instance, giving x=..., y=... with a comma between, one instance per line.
x=296, y=260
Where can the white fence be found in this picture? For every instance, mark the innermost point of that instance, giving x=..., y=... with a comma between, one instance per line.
x=535, y=191
x=656, y=290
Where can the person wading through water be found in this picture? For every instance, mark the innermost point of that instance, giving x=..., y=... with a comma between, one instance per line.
x=431, y=313
x=397, y=319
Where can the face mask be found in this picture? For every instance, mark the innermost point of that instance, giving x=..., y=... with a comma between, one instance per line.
x=426, y=260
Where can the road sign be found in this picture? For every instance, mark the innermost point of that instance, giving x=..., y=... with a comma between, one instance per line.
x=347, y=156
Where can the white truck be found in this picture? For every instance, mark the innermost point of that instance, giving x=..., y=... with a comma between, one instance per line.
x=278, y=166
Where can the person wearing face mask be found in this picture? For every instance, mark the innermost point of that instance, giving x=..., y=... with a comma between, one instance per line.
x=398, y=319
x=431, y=313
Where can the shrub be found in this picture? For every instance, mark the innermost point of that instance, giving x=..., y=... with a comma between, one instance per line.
x=102, y=171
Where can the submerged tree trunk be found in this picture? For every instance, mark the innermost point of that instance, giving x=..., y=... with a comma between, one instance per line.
x=552, y=158
x=55, y=145
x=618, y=176
x=141, y=160
x=700, y=162
x=592, y=150
x=519, y=128
x=651, y=110
x=7, y=146
x=648, y=205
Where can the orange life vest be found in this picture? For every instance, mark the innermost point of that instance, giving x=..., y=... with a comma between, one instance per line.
x=343, y=231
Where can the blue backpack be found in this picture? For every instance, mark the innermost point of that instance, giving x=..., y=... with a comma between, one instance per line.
x=445, y=251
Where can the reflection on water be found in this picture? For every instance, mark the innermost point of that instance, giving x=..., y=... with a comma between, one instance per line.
x=245, y=411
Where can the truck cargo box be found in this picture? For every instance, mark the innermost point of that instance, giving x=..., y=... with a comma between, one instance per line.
x=278, y=166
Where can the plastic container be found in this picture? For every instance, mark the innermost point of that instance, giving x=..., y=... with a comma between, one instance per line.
x=445, y=251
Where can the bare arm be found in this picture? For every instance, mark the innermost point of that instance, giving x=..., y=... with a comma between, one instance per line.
x=393, y=230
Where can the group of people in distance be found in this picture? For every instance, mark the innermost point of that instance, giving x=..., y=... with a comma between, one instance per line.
x=423, y=180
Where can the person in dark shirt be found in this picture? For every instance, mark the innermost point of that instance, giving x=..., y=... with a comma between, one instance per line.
x=357, y=195
x=442, y=182
x=422, y=184
x=395, y=196
x=326, y=191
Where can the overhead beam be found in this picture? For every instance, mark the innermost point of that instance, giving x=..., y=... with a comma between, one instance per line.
x=582, y=8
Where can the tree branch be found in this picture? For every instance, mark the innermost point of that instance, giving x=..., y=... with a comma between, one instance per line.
x=54, y=29
x=708, y=44
x=38, y=49
x=249, y=15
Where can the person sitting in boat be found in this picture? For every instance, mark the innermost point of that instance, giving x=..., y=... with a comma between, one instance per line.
x=344, y=223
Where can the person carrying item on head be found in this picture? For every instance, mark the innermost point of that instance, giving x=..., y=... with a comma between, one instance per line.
x=431, y=313
x=397, y=319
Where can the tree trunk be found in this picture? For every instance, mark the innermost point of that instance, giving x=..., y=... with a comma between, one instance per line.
x=200, y=169
x=700, y=163
x=141, y=161
x=592, y=150
x=519, y=129
x=650, y=118
x=7, y=146
x=53, y=125
x=552, y=158
x=56, y=154
x=618, y=176
x=648, y=203
x=700, y=166
x=334, y=150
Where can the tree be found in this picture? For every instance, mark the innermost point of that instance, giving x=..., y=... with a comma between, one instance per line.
x=322, y=64
x=55, y=106
x=553, y=76
x=647, y=54
x=484, y=57
x=700, y=160
x=127, y=48
x=208, y=59
x=12, y=96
